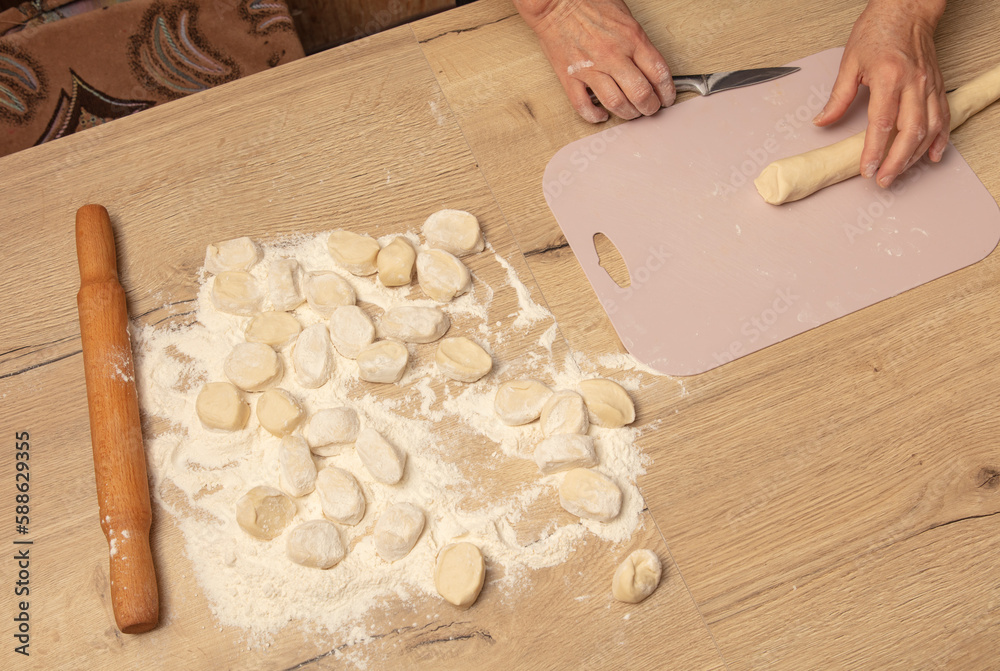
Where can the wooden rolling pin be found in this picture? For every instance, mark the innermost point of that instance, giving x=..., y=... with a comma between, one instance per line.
x=115, y=431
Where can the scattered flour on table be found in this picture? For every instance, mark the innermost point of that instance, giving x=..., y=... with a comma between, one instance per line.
x=198, y=475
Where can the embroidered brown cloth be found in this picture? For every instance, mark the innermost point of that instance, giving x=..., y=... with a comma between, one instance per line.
x=65, y=67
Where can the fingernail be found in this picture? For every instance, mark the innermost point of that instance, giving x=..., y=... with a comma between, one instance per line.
x=819, y=117
x=870, y=169
x=886, y=181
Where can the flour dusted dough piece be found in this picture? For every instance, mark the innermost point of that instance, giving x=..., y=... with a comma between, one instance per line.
x=796, y=177
x=220, y=406
x=284, y=283
x=520, y=401
x=278, y=412
x=253, y=366
x=263, y=512
x=356, y=253
x=383, y=460
x=276, y=329
x=351, y=330
x=395, y=263
x=461, y=359
x=340, y=495
x=236, y=292
x=235, y=254
x=326, y=291
x=315, y=544
x=296, y=469
x=459, y=574
x=312, y=356
x=330, y=429
x=383, y=361
x=397, y=531
x=454, y=231
x=565, y=451
x=637, y=577
x=608, y=403
x=565, y=412
x=441, y=275
x=414, y=323
x=590, y=495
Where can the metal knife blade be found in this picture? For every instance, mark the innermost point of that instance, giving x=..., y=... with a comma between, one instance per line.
x=706, y=85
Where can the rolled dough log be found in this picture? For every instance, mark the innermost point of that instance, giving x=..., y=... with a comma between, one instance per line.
x=796, y=177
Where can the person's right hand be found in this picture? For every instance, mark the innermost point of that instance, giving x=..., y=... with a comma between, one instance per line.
x=597, y=44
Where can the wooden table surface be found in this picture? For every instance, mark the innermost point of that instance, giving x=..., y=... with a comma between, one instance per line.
x=828, y=502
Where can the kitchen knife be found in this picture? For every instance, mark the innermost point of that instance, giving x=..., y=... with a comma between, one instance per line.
x=706, y=85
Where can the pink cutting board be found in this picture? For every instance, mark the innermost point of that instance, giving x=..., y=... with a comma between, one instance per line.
x=716, y=273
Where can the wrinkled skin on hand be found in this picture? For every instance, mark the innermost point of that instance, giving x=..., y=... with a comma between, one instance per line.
x=597, y=44
x=891, y=50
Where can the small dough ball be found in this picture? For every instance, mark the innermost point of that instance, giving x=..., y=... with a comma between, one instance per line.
x=326, y=291
x=235, y=254
x=520, y=401
x=340, y=495
x=608, y=404
x=397, y=531
x=637, y=577
x=236, y=292
x=296, y=469
x=442, y=276
x=351, y=330
x=564, y=412
x=276, y=329
x=463, y=360
x=220, y=406
x=312, y=356
x=590, y=495
x=315, y=544
x=395, y=263
x=414, y=323
x=253, y=366
x=263, y=512
x=564, y=451
x=284, y=283
x=459, y=574
x=330, y=429
x=383, y=361
x=382, y=459
x=278, y=412
x=454, y=231
x=356, y=253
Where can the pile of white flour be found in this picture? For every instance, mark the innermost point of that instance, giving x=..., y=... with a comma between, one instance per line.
x=459, y=456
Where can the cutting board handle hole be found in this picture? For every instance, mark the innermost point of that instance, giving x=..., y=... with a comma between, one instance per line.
x=611, y=260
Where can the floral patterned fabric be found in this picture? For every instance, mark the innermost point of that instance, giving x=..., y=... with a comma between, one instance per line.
x=66, y=67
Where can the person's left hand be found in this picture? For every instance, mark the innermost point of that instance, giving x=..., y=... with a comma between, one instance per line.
x=891, y=50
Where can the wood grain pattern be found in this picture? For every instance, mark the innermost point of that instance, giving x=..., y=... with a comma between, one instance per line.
x=830, y=500
x=374, y=148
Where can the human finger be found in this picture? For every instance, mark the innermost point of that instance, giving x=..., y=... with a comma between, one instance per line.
x=579, y=98
x=883, y=107
x=611, y=96
x=654, y=67
x=912, y=125
x=941, y=141
x=845, y=89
